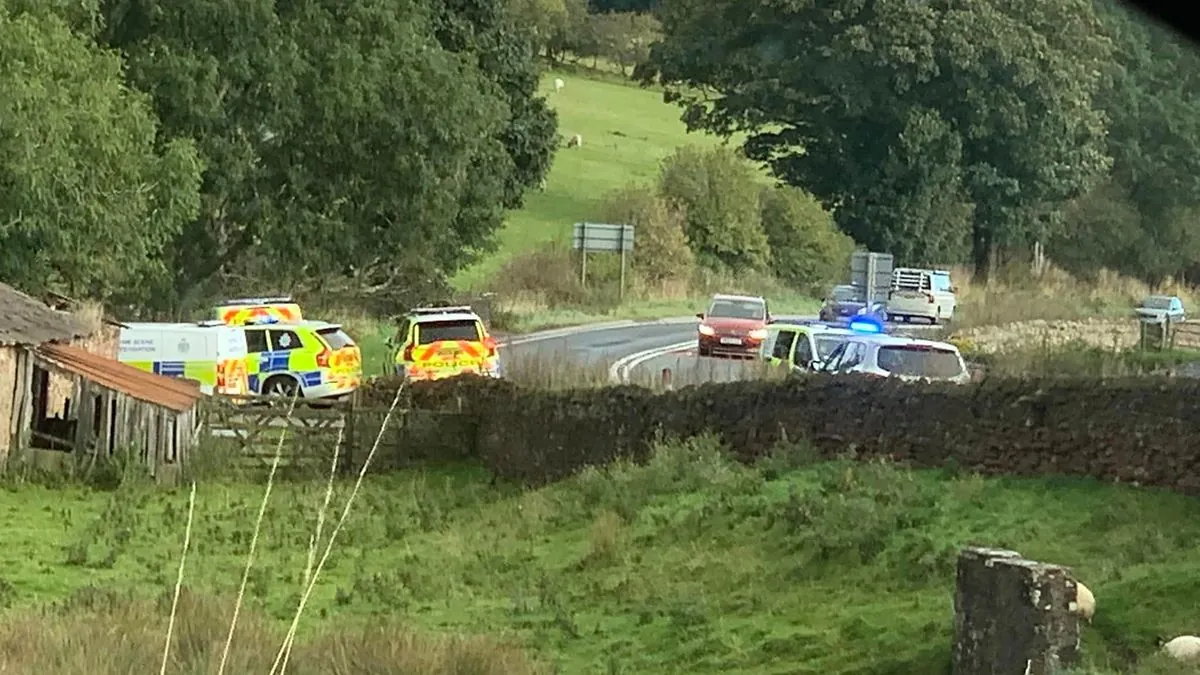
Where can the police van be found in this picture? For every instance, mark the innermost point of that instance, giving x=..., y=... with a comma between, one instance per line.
x=208, y=352
x=288, y=355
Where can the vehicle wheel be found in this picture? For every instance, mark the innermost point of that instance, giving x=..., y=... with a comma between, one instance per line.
x=281, y=385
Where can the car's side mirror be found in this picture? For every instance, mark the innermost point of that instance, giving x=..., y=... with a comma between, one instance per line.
x=700, y=315
x=770, y=319
x=954, y=289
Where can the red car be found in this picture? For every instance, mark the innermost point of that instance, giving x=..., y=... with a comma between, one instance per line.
x=734, y=325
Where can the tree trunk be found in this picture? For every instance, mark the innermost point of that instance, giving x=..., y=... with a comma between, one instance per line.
x=982, y=252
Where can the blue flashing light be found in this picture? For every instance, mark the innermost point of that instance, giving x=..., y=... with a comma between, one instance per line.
x=260, y=320
x=865, y=324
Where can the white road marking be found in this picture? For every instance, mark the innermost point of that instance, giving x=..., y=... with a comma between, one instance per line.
x=593, y=328
x=618, y=373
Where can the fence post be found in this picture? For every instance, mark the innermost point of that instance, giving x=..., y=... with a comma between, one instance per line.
x=666, y=379
x=1012, y=615
x=350, y=433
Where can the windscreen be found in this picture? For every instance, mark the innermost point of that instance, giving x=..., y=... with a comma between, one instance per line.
x=920, y=361
x=845, y=294
x=436, y=331
x=336, y=338
x=826, y=345
x=1157, y=302
x=738, y=309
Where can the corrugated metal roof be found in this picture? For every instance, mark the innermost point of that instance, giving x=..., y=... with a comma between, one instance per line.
x=25, y=321
x=167, y=392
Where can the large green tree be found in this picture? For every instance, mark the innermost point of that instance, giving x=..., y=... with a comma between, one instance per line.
x=349, y=145
x=1142, y=221
x=90, y=198
x=975, y=115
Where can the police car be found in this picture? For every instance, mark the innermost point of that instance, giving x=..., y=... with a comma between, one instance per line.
x=906, y=358
x=432, y=343
x=288, y=355
x=804, y=345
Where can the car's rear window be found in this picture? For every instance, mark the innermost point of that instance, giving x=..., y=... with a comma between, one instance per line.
x=738, y=309
x=845, y=294
x=436, y=331
x=919, y=361
x=336, y=338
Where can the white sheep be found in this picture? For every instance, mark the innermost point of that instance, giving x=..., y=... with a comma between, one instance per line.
x=1185, y=648
x=576, y=141
x=1085, y=602
x=558, y=84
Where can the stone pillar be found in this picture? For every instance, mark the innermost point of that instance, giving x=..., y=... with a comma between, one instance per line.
x=1012, y=616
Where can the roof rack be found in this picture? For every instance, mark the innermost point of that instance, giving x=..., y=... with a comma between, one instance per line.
x=209, y=323
x=258, y=301
x=459, y=309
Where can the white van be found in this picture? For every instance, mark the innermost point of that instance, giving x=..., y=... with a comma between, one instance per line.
x=921, y=293
x=210, y=353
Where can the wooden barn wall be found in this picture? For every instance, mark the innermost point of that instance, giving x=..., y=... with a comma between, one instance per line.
x=108, y=421
x=104, y=342
x=11, y=378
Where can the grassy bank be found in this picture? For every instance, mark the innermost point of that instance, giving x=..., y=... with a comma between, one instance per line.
x=626, y=131
x=689, y=564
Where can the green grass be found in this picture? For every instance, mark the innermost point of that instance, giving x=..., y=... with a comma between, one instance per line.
x=627, y=130
x=690, y=564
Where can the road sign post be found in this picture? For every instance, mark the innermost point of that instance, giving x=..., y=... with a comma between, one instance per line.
x=602, y=238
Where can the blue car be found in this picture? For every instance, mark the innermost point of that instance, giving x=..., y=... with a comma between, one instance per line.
x=845, y=302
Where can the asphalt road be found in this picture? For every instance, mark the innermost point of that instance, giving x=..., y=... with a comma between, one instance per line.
x=637, y=352
x=598, y=344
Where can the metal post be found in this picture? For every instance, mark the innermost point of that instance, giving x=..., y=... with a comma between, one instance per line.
x=621, y=244
x=583, y=253
x=666, y=379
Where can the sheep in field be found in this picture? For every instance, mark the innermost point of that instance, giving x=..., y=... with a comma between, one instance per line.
x=575, y=141
x=1085, y=602
x=558, y=84
x=1185, y=648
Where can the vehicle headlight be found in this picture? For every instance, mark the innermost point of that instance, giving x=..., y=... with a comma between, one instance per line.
x=706, y=330
x=759, y=334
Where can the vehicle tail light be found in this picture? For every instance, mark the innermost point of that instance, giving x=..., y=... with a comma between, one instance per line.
x=323, y=358
x=489, y=343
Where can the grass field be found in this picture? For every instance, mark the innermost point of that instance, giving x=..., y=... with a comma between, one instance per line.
x=689, y=564
x=626, y=131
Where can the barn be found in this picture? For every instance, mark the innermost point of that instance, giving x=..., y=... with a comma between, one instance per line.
x=104, y=405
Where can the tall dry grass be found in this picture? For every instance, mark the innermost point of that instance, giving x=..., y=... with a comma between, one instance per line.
x=1016, y=294
x=102, y=634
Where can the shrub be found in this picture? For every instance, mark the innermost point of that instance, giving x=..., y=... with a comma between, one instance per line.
x=662, y=252
x=718, y=191
x=807, y=249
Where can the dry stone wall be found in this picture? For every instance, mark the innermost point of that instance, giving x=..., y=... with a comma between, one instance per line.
x=1139, y=430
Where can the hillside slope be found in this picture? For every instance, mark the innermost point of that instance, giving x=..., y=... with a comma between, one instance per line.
x=626, y=131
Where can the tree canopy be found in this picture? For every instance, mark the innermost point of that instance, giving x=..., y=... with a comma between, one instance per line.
x=376, y=142
x=92, y=199
x=932, y=126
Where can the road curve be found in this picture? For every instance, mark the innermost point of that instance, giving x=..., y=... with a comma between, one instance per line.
x=598, y=343
x=687, y=367
x=637, y=351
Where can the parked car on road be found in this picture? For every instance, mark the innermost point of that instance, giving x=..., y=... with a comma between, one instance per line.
x=432, y=343
x=733, y=325
x=921, y=293
x=906, y=358
x=847, y=301
x=803, y=346
x=1161, y=308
